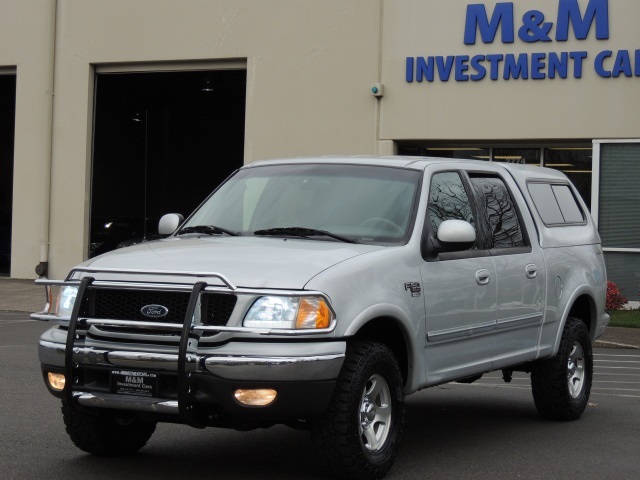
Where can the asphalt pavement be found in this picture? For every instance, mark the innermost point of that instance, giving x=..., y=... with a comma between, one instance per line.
x=488, y=429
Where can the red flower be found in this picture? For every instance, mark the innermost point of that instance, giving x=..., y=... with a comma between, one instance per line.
x=615, y=299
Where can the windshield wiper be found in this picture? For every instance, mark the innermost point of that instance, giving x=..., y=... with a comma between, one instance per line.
x=303, y=232
x=209, y=230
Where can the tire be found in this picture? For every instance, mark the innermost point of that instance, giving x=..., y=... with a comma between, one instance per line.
x=106, y=434
x=561, y=385
x=360, y=432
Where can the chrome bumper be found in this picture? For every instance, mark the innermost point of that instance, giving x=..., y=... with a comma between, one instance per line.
x=279, y=362
x=139, y=404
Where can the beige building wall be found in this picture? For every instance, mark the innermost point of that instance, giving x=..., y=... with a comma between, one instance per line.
x=26, y=40
x=309, y=70
x=515, y=109
x=310, y=65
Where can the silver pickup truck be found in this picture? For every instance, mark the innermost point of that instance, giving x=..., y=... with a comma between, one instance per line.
x=317, y=293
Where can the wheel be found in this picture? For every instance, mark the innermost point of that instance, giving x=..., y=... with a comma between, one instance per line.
x=359, y=434
x=384, y=222
x=562, y=384
x=107, y=434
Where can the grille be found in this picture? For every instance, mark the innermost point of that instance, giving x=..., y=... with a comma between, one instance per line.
x=217, y=308
x=126, y=305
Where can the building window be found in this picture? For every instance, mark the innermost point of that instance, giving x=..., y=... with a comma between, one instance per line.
x=522, y=156
x=576, y=163
x=465, y=153
x=573, y=160
x=619, y=214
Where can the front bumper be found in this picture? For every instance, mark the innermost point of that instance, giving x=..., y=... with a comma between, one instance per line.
x=177, y=372
x=303, y=374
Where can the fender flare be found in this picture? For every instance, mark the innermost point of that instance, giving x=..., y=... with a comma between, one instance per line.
x=582, y=290
x=410, y=331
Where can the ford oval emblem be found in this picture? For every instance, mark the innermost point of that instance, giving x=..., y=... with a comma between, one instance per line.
x=154, y=311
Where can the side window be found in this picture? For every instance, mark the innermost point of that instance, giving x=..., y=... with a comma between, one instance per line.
x=556, y=204
x=448, y=200
x=498, y=221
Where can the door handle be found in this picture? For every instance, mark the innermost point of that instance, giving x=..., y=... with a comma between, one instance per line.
x=531, y=270
x=483, y=277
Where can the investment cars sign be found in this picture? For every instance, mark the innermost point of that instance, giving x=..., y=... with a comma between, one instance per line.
x=548, y=29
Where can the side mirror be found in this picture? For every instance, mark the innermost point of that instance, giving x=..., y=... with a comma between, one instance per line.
x=456, y=235
x=169, y=223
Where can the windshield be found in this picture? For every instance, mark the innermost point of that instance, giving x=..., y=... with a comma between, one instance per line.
x=362, y=203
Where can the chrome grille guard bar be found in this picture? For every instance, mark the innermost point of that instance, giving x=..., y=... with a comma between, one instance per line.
x=187, y=364
x=189, y=333
x=69, y=280
x=228, y=287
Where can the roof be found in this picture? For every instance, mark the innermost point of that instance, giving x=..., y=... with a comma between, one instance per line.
x=401, y=162
x=418, y=163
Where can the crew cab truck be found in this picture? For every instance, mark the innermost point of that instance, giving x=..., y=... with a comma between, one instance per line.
x=317, y=293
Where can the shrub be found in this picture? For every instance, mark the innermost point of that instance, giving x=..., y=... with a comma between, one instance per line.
x=615, y=299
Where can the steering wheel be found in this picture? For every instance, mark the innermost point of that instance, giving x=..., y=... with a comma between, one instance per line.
x=385, y=222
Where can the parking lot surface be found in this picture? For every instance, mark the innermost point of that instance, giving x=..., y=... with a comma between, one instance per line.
x=488, y=429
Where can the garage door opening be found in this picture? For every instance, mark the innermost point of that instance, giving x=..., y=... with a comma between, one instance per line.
x=162, y=142
x=7, y=136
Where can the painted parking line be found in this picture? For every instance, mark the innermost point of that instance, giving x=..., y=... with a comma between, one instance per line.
x=614, y=376
x=13, y=320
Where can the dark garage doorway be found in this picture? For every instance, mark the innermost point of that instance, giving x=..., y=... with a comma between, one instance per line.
x=162, y=142
x=7, y=137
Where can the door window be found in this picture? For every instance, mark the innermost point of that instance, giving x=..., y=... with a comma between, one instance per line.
x=498, y=222
x=448, y=200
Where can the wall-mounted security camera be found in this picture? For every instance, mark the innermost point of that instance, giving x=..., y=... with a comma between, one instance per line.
x=377, y=89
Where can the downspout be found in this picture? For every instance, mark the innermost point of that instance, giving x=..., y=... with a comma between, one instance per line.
x=382, y=147
x=43, y=267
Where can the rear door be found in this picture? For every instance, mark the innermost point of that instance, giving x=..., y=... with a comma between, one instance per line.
x=509, y=233
x=460, y=289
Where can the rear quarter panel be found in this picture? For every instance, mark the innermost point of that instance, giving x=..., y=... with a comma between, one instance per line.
x=572, y=272
x=574, y=263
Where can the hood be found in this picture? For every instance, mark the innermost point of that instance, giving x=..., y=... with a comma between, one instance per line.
x=251, y=262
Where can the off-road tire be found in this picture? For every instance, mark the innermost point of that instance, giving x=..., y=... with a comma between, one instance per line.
x=561, y=385
x=350, y=449
x=106, y=434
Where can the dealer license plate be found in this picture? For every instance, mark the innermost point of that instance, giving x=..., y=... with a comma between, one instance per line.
x=141, y=384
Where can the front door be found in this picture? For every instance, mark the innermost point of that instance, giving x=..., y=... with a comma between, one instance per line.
x=460, y=291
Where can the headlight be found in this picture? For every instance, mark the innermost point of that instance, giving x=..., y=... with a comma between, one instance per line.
x=65, y=302
x=289, y=312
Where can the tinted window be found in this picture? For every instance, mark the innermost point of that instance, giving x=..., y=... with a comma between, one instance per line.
x=448, y=200
x=546, y=204
x=568, y=206
x=498, y=218
x=556, y=204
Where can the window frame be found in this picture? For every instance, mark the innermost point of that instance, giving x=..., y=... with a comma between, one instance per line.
x=429, y=250
x=559, y=183
x=595, y=192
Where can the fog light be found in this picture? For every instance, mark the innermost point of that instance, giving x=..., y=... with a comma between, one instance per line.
x=56, y=381
x=259, y=397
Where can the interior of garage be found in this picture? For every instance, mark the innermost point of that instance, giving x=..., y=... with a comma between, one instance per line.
x=7, y=136
x=162, y=142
